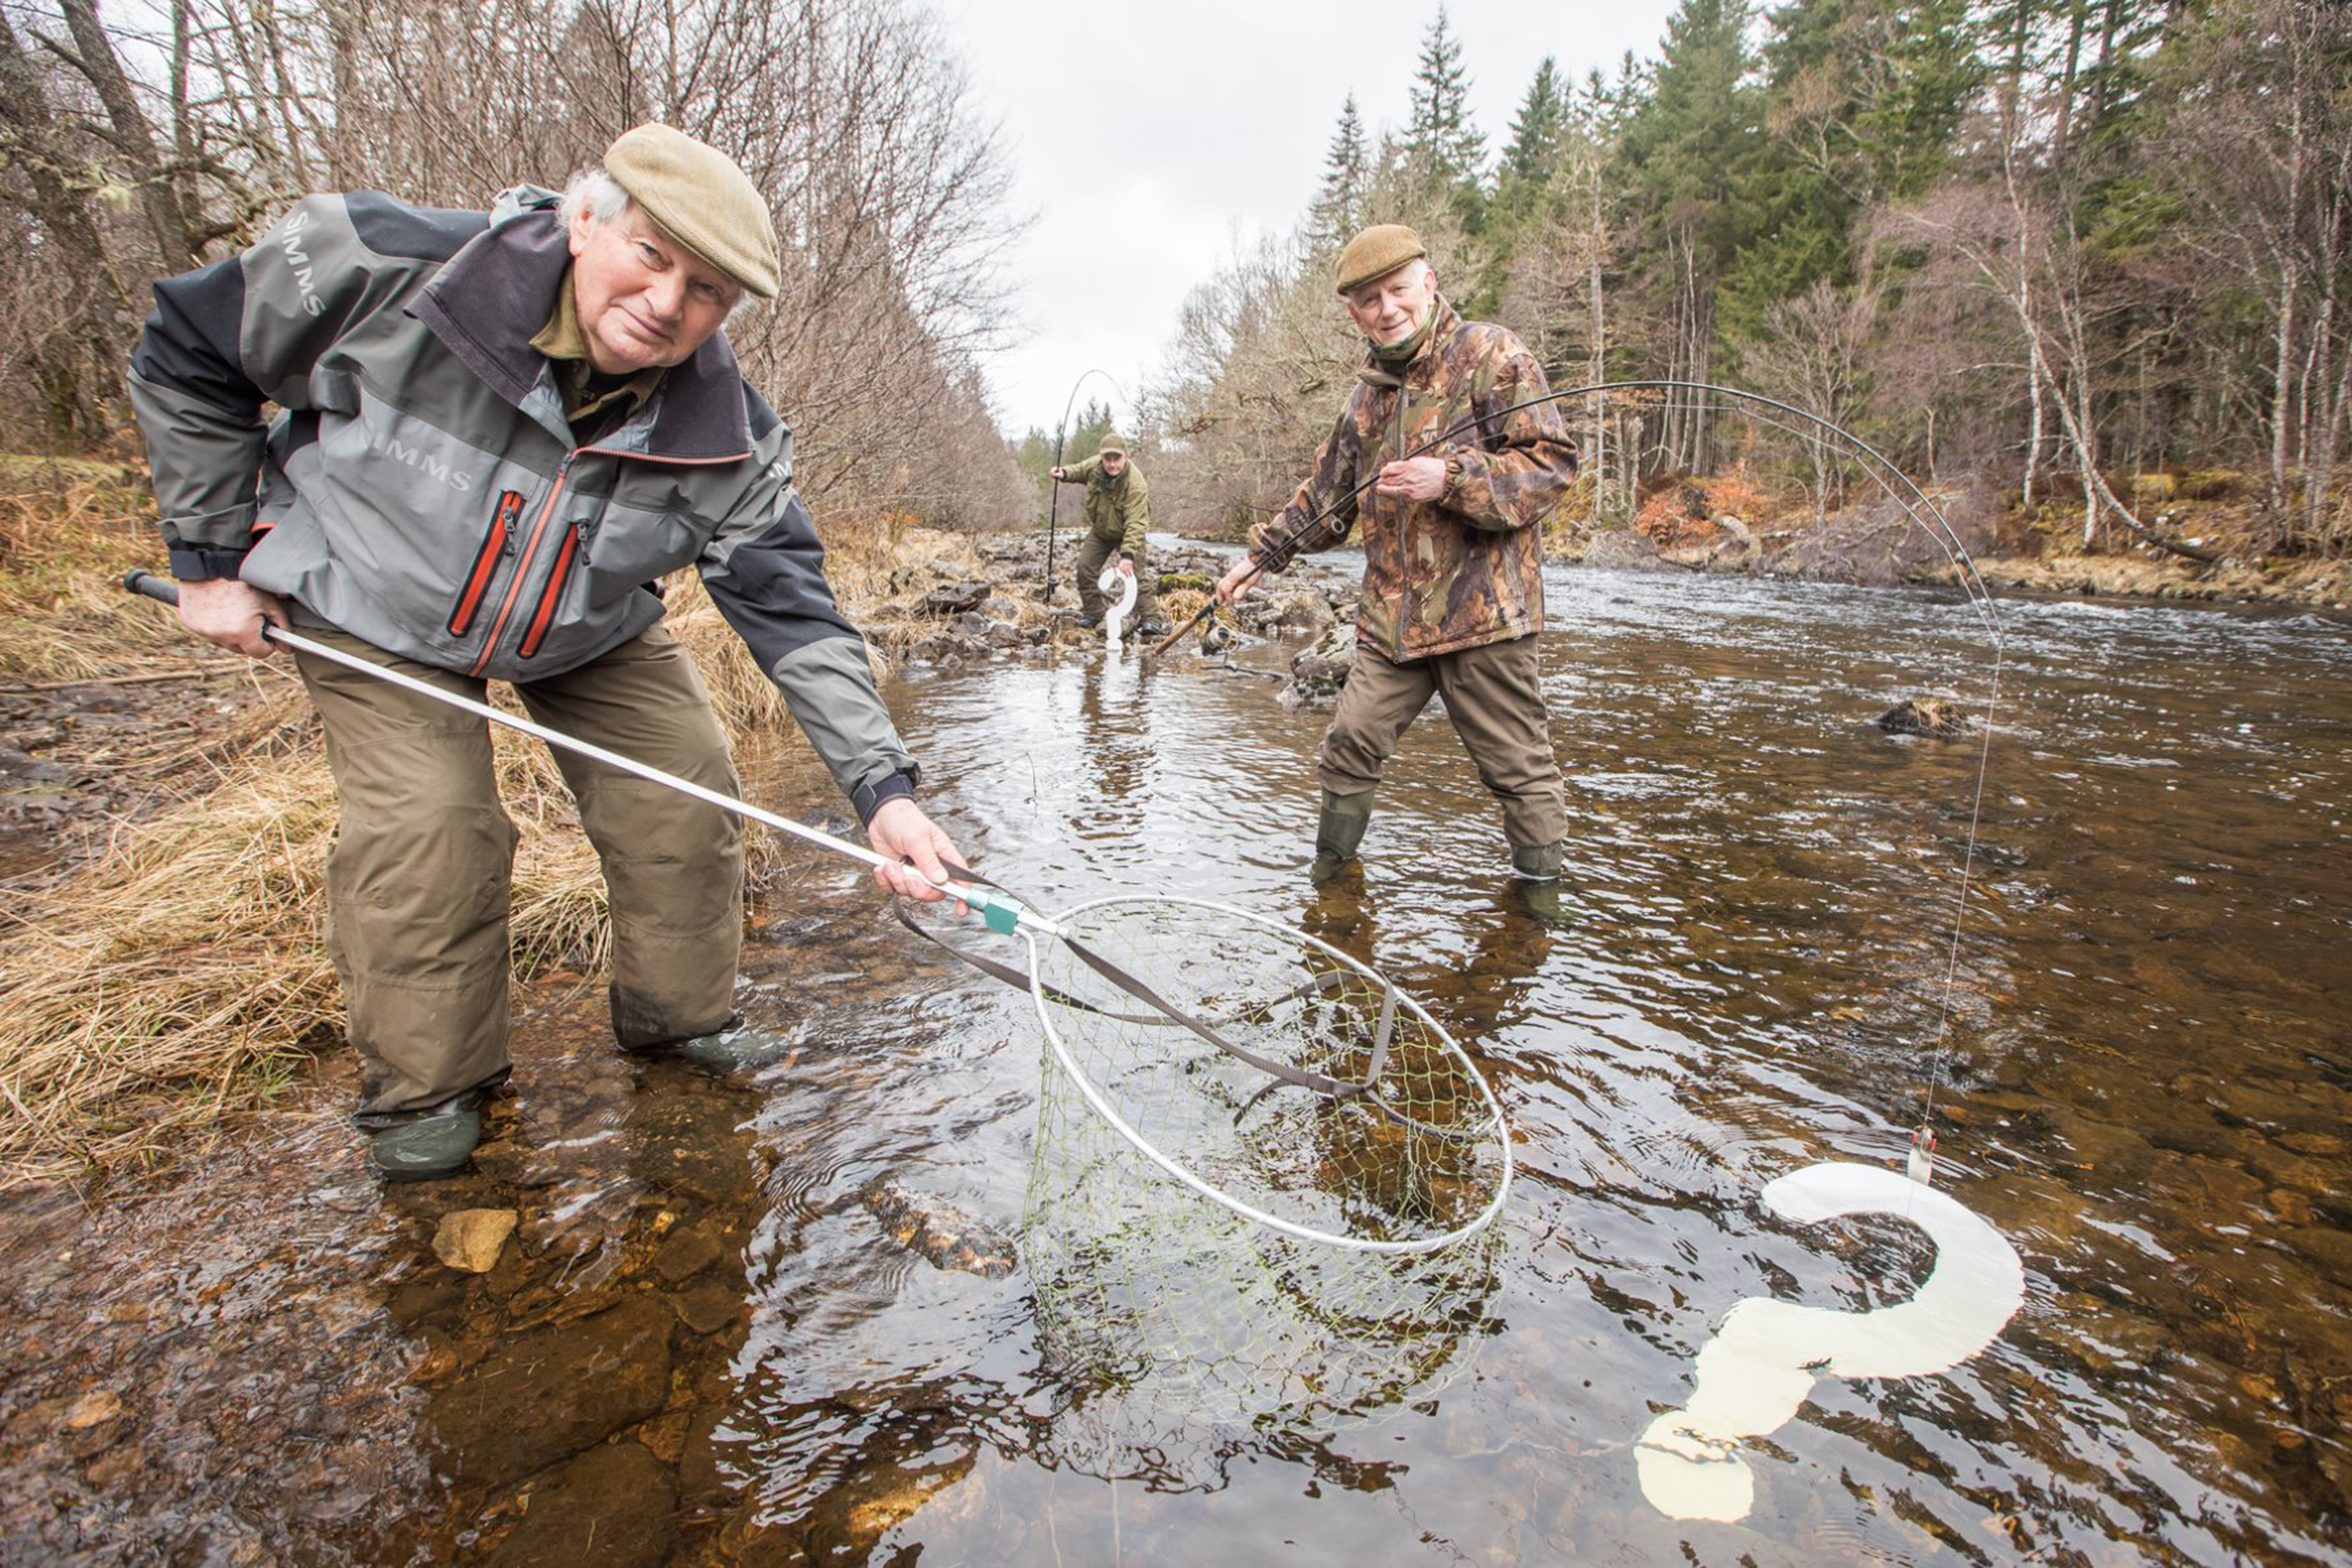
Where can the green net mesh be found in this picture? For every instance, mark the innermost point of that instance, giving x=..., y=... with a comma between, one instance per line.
x=1208, y=1241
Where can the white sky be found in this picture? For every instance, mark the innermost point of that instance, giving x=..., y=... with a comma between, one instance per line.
x=1150, y=139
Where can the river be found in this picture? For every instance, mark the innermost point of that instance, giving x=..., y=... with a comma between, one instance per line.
x=706, y=1345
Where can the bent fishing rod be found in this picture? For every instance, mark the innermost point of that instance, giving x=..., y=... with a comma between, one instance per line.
x=1273, y=557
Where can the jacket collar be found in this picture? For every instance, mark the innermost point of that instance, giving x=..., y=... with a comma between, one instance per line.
x=493, y=297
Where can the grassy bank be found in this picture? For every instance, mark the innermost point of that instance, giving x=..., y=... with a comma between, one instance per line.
x=179, y=976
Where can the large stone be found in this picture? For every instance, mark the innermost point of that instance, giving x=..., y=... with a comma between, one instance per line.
x=615, y=1505
x=471, y=1239
x=546, y=1394
x=1302, y=609
x=1316, y=674
x=951, y=598
x=1623, y=550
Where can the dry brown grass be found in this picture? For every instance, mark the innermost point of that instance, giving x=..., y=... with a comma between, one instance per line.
x=68, y=530
x=183, y=973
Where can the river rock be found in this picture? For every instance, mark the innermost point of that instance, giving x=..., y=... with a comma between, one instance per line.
x=951, y=598
x=1316, y=674
x=99, y=1405
x=471, y=1239
x=687, y=1254
x=1302, y=609
x=936, y=1232
x=615, y=1504
x=1930, y=715
x=1623, y=550
x=545, y=1394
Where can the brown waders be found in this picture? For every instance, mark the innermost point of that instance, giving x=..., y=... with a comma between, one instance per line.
x=1494, y=699
x=418, y=884
x=1092, y=556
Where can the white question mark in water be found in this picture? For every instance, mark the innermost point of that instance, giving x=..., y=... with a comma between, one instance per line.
x=1756, y=1371
x=1113, y=580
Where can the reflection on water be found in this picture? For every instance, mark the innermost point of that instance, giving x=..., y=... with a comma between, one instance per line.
x=707, y=1344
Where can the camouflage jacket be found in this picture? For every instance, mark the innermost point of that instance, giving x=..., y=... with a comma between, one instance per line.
x=1118, y=511
x=1465, y=570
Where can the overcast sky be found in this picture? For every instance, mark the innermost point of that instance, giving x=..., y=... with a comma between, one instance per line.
x=1148, y=141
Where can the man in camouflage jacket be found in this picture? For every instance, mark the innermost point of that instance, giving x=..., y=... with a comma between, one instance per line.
x=1452, y=539
x=1119, y=516
x=497, y=433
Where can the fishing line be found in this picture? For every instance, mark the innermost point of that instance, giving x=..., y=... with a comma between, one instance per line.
x=1925, y=515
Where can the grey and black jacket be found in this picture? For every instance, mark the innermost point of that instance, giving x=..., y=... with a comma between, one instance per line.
x=421, y=488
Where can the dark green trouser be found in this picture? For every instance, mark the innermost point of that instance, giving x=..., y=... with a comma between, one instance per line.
x=418, y=884
x=1493, y=696
x=1092, y=556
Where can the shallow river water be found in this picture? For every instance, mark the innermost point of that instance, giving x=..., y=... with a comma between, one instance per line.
x=711, y=1340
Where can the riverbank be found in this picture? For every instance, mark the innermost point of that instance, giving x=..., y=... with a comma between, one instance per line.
x=1726, y=524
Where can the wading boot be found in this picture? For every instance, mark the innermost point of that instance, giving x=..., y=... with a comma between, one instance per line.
x=437, y=1144
x=1339, y=832
x=1538, y=862
x=1535, y=868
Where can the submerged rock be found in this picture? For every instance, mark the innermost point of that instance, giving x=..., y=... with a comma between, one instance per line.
x=938, y=1232
x=1930, y=715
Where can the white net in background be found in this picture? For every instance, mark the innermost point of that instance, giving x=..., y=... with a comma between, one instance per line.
x=1212, y=1244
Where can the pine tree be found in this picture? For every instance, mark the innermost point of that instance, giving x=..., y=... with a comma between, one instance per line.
x=1530, y=163
x=1534, y=146
x=1442, y=146
x=1347, y=170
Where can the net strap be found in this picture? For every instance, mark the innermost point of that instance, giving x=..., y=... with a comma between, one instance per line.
x=1164, y=1012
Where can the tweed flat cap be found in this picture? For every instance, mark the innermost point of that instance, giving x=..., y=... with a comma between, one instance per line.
x=697, y=194
x=1111, y=443
x=1377, y=252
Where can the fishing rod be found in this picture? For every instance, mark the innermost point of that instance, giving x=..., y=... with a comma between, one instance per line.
x=1054, y=488
x=1001, y=913
x=1278, y=554
x=1887, y=474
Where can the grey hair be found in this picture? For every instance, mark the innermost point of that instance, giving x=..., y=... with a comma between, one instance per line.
x=597, y=194
x=594, y=191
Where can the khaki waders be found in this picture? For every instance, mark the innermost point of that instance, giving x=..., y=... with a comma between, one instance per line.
x=418, y=882
x=1494, y=697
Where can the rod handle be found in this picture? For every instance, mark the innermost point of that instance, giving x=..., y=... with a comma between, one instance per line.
x=158, y=589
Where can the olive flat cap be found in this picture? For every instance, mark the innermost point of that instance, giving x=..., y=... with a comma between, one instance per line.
x=1111, y=443
x=695, y=192
x=1377, y=252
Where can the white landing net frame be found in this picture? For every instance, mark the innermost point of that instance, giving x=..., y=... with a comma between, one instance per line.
x=1211, y=1240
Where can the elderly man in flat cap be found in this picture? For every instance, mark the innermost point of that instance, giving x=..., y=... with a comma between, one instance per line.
x=497, y=433
x=1119, y=516
x=1452, y=492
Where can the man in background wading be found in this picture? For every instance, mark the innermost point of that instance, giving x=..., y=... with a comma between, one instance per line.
x=498, y=432
x=1453, y=594
x=1119, y=516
